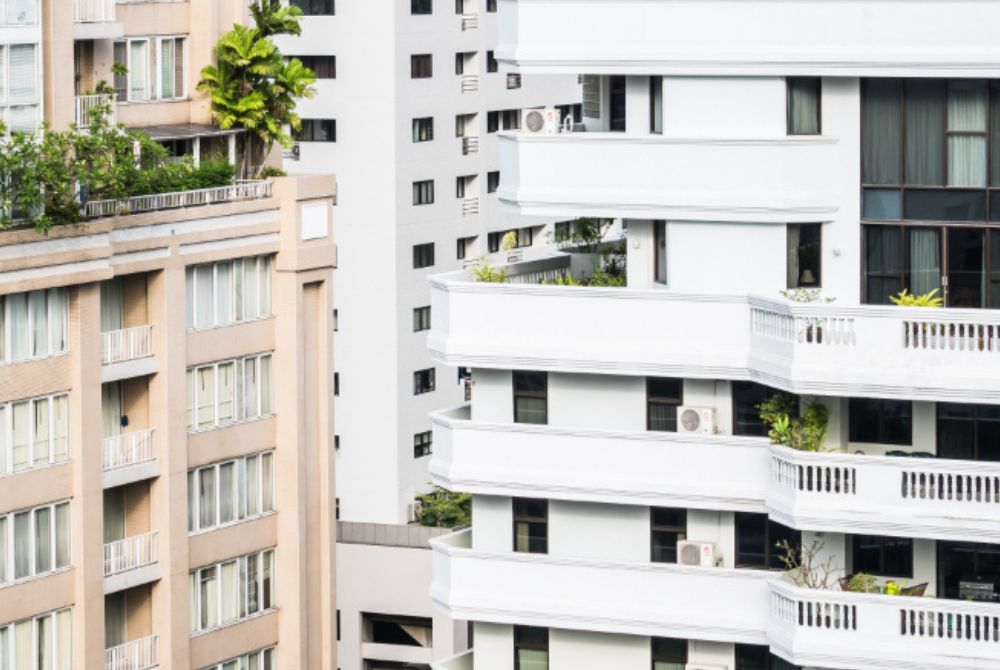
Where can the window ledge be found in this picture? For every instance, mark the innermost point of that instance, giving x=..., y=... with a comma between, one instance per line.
x=12, y=473
x=32, y=578
x=230, y=324
x=207, y=631
x=231, y=524
x=196, y=431
x=34, y=359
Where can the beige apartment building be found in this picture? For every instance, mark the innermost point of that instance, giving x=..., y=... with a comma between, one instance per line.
x=166, y=457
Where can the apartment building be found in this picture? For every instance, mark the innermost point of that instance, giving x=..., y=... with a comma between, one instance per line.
x=409, y=103
x=782, y=169
x=166, y=472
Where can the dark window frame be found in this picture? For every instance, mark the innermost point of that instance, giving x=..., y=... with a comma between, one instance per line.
x=423, y=192
x=790, y=82
x=421, y=66
x=421, y=318
x=662, y=527
x=661, y=653
x=818, y=273
x=534, y=521
x=308, y=131
x=324, y=66
x=675, y=400
x=529, y=393
x=854, y=411
x=978, y=443
x=882, y=568
x=421, y=7
x=423, y=129
x=520, y=643
x=772, y=560
x=424, y=381
x=316, y=7
x=423, y=255
x=423, y=444
x=491, y=62
x=739, y=391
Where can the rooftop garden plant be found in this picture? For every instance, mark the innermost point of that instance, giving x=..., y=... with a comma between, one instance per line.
x=906, y=299
x=787, y=426
x=445, y=509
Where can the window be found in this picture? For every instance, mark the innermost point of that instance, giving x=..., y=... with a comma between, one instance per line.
x=155, y=68
x=336, y=320
x=230, y=491
x=882, y=556
x=746, y=415
x=423, y=255
x=20, y=13
x=491, y=62
x=616, y=104
x=35, y=541
x=317, y=130
x=968, y=571
x=464, y=247
x=881, y=421
x=511, y=119
x=669, y=653
x=19, y=102
x=666, y=527
x=407, y=631
x=422, y=444
x=423, y=129
x=423, y=381
x=33, y=325
x=423, y=192
x=491, y=6
x=232, y=590
x=804, y=105
x=492, y=181
x=968, y=432
x=171, y=68
x=255, y=660
x=531, y=648
x=530, y=397
x=525, y=238
x=804, y=254
x=758, y=539
x=421, y=7
x=325, y=67
x=464, y=184
x=315, y=7
x=219, y=294
x=34, y=432
x=421, y=66
x=43, y=642
x=227, y=392
x=336, y=442
x=663, y=397
x=531, y=525
x=336, y=383
x=421, y=318
x=492, y=122
x=660, y=251
x=754, y=657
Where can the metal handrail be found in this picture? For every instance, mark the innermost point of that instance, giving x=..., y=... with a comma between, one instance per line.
x=241, y=190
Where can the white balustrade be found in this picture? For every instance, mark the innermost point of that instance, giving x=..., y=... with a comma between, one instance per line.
x=128, y=449
x=126, y=344
x=129, y=553
x=470, y=83
x=94, y=11
x=86, y=104
x=241, y=190
x=140, y=654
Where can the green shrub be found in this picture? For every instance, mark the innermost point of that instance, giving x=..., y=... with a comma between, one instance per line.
x=805, y=432
x=906, y=299
x=272, y=171
x=484, y=272
x=444, y=509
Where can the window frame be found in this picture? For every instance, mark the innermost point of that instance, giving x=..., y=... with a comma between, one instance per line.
x=520, y=644
x=819, y=255
x=882, y=567
x=424, y=381
x=423, y=255
x=316, y=7
x=668, y=656
x=423, y=129
x=533, y=521
x=518, y=393
x=772, y=562
x=263, y=275
x=324, y=66
x=242, y=496
x=239, y=399
x=7, y=464
x=421, y=318
x=789, y=84
x=423, y=444
x=657, y=528
x=417, y=7
x=421, y=66
x=423, y=192
x=492, y=181
x=308, y=131
x=58, y=519
x=666, y=401
x=881, y=403
x=263, y=592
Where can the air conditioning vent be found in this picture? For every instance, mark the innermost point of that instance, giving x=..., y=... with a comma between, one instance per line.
x=696, y=420
x=698, y=554
x=536, y=121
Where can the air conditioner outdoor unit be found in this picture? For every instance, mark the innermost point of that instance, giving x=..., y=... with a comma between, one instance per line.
x=705, y=666
x=413, y=511
x=696, y=420
x=699, y=554
x=545, y=120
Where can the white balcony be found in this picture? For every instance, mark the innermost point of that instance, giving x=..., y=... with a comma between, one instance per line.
x=778, y=179
x=85, y=104
x=138, y=654
x=650, y=468
x=583, y=594
x=126, y=344
x=828, y=629
x=874, y=351
x=95, y=20
x=710, y=37
x=908, y=497
x=128, y=449
x=129, y=553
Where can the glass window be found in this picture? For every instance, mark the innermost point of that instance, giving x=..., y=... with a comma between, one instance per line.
x=423, y=381
x=669, y=653
x=663, y=397
x=531, y=521
x=171, y=67
x=421, y=7
x=421, y=66
x=423, y=129
x=315, y=7
x=968, y=432
x=660, y=253
x=531, y=648
x=882, y=556
x=317, y=130
x=667, y=527
x=747, y=396
x=755, y=657
x=139, y=67
x=324, y=67
x=804, y=105
x=423, y=255
x=881, y=106
x=421, y=318
x=883, y=263
x=422, y=443
x=925, y=130
x=423, y=192
x=530, y=397
x=804, y=255
x=231, y=490
x=881, y=421
x=760, y=542
x=968, y=571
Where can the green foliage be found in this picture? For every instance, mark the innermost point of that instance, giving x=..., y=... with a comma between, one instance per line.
x=252, y=86
x=564, y=279
x=444, y=509
x=906, y=299
x=805, y=432
x=484, y=272
x=585, y=234
x=119, y=69
x=606, y=278
x=509, y=240
x=863, y=582
x=272, y=171
x=892, y=588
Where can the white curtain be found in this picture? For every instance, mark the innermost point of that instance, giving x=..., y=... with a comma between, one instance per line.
x=62, y=535
x=225, y=392
x=238, y=289
x=265, y=287
x=41, y=432
x=21, y=435
x=39, y=323
x=252, y=577
x=43, y=539
x=229, y=587
x=138, y=70
x=267, y=482
x=60, y=427
x=3, y=572
x=967, y=113
x=533, y=659
x=22, y=545
x=4, y=644
x=23, y=75
x=64, y=641
x=251, y=301
x=925, y=260
x=253, y=485
x=265, y=385
x=206, y=497
x=20, y=12
x=204, y=292
x=23, y=648
x=17, y=317
x=4, y=460
x=223, y=292
x=803, y=103
x=206, y=396
x=58, y=318
x=111, y=305
x=167, y=79
x=209, y=599
x=227, y=492
x=250, y=387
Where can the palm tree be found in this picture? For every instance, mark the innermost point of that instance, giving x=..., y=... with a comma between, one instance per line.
x=253, y=87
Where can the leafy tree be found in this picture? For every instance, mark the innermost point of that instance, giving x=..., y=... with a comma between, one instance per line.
x=444, y=509
x=253, y=87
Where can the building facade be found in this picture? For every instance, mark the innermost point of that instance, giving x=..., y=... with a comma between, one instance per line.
x=409, y=102
x=783, y=170
x=166, y=470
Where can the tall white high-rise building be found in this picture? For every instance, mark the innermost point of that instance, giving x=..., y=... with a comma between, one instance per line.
x=409, y=102
x=783, y=169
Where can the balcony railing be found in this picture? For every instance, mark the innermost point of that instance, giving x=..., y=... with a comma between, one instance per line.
x=94, y=11
x=470, y=83
x=470, y=145
x=85, y=104
x=138, y=654
x=470, y=206
x=129, y=553
x=241, y=190
x=470, y=21
x=126, y=344
x=128, y=449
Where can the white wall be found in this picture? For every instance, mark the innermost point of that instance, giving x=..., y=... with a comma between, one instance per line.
x=493, y=523
x=577, y=650
x=602, y=532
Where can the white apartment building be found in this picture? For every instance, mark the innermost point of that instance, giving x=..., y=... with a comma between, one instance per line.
x=408, y=106
x=754, y=150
